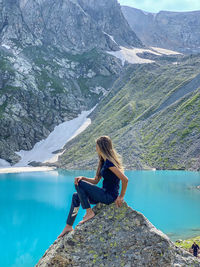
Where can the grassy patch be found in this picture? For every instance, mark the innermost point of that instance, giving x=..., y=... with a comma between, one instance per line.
x=186, y=244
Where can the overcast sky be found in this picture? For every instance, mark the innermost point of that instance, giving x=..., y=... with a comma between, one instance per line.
x=157, y=5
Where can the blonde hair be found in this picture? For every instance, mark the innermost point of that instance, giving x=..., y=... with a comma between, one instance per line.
x=107, y=151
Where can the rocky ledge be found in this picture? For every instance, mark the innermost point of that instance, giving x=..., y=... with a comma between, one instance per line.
x=116, y=237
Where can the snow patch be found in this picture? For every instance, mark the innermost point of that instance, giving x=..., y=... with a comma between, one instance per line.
x=4, y=163
x=42, y=151
x=98, y=90
x=165, y=51
x=90, y=74
x=111, y=37
x=77, y=132
x=130, y=55
x=6, y=46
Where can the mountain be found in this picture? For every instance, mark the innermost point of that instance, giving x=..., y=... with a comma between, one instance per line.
x=116, y=237
x=179, y=31
x=74, y=25
x=54, y=64
x=152, y=115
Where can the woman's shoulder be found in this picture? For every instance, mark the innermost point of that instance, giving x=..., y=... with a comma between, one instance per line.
x=109, y=163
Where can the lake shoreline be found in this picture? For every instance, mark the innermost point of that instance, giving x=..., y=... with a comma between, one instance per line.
x=26, y=169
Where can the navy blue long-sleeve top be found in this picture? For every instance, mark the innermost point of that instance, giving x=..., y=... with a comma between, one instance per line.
x=111, y=181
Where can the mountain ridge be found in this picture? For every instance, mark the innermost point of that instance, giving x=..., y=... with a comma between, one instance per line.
x=177, y=31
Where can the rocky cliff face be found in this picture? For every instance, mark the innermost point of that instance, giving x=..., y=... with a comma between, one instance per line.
x=179, y=31
x=42, y=86
x=54, y=65
x=116, y=237
x=74, y=25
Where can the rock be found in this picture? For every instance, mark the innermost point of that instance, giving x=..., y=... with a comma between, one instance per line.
x=74, y=25
x=116, y=237
x=35, y=164
x=178, y=31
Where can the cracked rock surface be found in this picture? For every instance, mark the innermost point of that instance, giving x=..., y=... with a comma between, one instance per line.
x=116, y=236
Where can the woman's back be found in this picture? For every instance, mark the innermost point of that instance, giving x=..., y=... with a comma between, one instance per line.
x=111, y=181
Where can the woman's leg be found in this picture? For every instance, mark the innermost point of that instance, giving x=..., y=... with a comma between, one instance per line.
x=85, y=203
x=75, y=205
x=72, y=214
x=88, y=192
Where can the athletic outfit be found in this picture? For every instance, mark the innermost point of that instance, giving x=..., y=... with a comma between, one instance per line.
x=195, y=249
x=88, y=193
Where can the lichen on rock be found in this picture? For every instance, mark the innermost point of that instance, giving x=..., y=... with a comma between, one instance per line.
x=116, y=236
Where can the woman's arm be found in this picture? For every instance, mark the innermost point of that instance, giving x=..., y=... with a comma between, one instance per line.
x=90, y=180
x=124, y=180
x=122, y=177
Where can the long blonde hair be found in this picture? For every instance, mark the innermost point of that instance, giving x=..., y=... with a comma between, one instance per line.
x=107, y=151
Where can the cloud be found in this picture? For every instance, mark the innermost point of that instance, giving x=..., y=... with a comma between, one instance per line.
x=158, y=5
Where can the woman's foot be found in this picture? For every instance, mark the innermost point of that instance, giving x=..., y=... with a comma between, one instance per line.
x=68, y=228
x=89, y=215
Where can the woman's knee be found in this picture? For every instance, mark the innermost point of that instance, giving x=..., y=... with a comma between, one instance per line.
x=80, y=183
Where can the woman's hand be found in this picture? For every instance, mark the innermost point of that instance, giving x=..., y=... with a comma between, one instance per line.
x=119, y=201
x=77, y=179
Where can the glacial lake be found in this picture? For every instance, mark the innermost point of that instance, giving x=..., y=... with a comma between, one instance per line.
x=34, y=207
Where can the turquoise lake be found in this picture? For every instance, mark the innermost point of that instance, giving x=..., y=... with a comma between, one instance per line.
x=34, y=207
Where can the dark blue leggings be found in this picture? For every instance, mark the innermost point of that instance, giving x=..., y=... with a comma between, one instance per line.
x=87, y=194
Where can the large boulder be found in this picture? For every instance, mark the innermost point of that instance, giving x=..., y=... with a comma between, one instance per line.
x=116, y=236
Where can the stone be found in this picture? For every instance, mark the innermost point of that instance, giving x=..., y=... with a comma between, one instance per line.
x=116, y=236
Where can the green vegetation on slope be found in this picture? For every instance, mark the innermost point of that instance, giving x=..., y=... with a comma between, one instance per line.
x=186, y=244
x=167, y=139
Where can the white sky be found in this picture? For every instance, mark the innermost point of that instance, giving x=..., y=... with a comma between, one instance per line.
x=167, y=5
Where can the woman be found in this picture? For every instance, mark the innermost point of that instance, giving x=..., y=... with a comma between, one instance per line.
x=111, y=169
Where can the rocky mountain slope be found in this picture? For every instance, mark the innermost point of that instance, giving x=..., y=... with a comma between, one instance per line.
x=179, y=31
x=74, y=25
x=54, y=64
x=116, y=237
x=152, y=116
x=42, y=87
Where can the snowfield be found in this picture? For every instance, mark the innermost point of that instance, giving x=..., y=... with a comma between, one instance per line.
x=43, y=150
x=130, y=54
